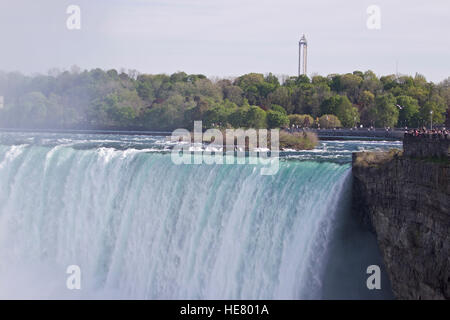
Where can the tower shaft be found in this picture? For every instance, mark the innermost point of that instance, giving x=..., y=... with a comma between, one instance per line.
x=302, y=56
x=305, y=58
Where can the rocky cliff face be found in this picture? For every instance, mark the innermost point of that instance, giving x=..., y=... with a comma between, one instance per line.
x=406, y=202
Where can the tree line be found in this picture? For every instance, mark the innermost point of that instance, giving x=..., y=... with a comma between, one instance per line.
x=98, y=99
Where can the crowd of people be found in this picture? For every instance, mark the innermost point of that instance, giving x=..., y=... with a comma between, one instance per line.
x=429, y=133
x=438, y=133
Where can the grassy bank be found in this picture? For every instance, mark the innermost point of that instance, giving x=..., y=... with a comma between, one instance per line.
x=296, y=140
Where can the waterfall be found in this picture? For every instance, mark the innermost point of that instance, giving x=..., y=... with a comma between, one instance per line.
x=142, y=227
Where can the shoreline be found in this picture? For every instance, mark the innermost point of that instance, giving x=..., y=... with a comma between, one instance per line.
x=323, y=135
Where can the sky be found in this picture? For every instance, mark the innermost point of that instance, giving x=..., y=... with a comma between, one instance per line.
x=227, y=38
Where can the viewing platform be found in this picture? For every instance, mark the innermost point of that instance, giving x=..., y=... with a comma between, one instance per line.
x=428, y=145
x=358, y=133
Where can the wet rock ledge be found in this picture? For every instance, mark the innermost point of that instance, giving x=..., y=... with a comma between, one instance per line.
x=405, y=201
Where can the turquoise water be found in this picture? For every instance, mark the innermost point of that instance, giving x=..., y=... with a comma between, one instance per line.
x=141, y=227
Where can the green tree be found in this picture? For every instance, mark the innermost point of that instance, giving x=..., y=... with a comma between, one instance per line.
x=255, y=118
x=328, y=121
x=31, y=110
x=366, y=102
x=237, y=117
x=342, y=108
x=100, y=99
x=169, y=115
x=389, y=82
x=385, y=111
x=282, y=96
x=438, y=109
x=124, y=116
x=350, y=83
x=278, y=108
x=346, y=112
x=329, y=106
x=371, y=83
x=320, y=80
x=256, y=88
x=216, y=116
x=301, y=120
x=409, y=111
x=277, y=119
x=232, y=93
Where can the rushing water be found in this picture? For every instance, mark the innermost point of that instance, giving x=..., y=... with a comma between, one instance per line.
x=142, y=227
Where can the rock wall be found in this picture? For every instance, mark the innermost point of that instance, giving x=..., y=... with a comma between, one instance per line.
x=406, y=202
x=428, y=146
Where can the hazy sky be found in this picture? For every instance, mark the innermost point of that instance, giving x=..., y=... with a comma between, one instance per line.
x=227, y=37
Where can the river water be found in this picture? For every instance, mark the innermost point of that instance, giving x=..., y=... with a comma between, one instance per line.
x=141, y=227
